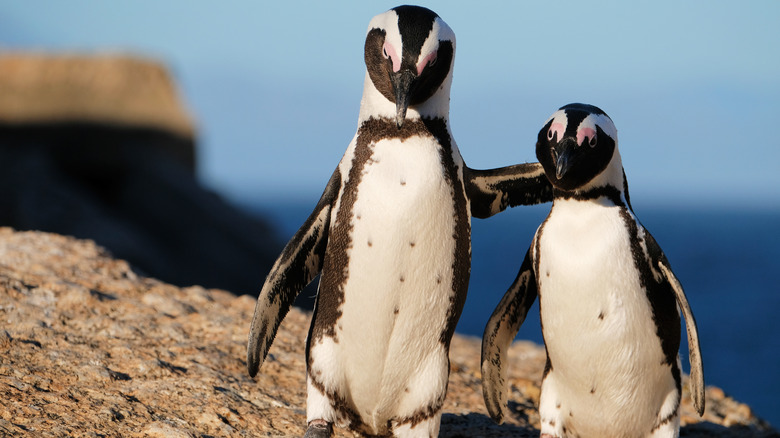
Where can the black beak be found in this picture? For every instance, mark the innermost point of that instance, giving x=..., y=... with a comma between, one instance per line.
x=564, y=154
x=402, y=87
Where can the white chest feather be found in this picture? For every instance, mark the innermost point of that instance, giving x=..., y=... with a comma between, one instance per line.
x=402, y=245
x=399, y=284
x=586, y=270
x=597, y=320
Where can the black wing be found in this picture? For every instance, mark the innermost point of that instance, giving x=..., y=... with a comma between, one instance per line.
x=491, y=191
x=659, y=261
x=299, y=263
x=499, y=333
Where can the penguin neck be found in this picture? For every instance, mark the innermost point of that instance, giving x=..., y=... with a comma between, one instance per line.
x=610, y=184
x=375, y=105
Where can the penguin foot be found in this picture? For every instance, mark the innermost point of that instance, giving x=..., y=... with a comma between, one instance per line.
x=547, y=435
x=319, y=429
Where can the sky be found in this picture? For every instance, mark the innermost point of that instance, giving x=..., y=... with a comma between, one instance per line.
x=693, y=87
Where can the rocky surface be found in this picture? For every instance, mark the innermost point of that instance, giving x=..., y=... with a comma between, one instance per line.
x=90, y=348
x=101, y=146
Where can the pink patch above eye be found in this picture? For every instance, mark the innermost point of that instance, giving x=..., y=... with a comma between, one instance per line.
x=584, y=133
x=556, y=128
x=387, y=48
x=428, y=59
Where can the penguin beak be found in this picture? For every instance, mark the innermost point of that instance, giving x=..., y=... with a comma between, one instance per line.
x=402, y=87
x=564, y=154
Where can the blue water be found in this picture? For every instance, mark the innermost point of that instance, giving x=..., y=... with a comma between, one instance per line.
x=727, y=261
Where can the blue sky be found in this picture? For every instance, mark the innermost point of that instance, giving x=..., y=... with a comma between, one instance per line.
x=693, y=86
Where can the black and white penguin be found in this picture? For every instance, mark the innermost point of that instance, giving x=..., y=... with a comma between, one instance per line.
x=391, y=237
x=607, y=295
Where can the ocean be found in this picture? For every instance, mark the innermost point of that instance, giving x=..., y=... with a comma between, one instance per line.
x=728, y=261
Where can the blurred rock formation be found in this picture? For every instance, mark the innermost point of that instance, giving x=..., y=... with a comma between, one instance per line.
x=101, y=147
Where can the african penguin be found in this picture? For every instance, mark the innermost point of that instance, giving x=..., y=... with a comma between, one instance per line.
x=607, y=295
x=391, y=237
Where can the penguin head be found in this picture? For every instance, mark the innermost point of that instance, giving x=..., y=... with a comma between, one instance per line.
x=577, y=146
x=409, y=53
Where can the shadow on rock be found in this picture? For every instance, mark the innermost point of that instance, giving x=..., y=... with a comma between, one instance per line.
x=473, y=425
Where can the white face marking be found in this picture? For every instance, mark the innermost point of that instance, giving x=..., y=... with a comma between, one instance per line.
x=393, y=47
x=440, y=32
x=393, y=44
x=558, y=126
x=587, y=129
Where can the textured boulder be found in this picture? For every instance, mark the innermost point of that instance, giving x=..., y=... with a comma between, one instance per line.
x=101, y=147
x=90, y=348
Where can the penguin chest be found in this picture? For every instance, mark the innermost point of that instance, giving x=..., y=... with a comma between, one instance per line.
x=597, y=320
x=400, y=261
x=397, y=279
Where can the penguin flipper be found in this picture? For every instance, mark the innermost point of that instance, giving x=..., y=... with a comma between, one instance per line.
x=491, y=191
x=694, y=351
x=499, y=333
x=299, y=263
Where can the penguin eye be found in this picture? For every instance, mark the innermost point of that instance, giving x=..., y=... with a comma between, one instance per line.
x=432, y=62
x=593, y=141
x=550, y=134
x=384, y=53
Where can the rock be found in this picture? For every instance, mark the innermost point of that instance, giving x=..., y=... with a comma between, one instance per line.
x=90, y=348
x=107, y=89
x=101, y=147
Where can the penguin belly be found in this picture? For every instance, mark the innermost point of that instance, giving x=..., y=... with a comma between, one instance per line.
x=607, y=375
x=398, y=288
